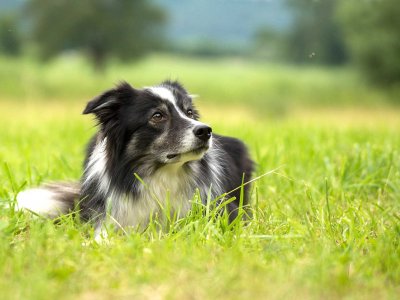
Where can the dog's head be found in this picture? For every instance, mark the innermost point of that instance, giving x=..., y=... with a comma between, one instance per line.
x=156, y=123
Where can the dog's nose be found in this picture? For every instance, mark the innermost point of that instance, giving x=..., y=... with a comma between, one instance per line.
x=203, y=132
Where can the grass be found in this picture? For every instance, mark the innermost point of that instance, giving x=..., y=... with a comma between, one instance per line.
x=326, y=224
x=272, y=87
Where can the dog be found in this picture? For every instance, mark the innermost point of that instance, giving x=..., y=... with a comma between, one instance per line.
x=150, y=151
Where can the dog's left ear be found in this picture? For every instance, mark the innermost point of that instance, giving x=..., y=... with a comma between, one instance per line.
x=106, y=106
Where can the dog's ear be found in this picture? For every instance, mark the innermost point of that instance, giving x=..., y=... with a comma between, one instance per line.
x=107, y=105
x=100, y=102
x=175, y=85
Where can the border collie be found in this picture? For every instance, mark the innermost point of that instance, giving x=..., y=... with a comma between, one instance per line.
x=150, y=149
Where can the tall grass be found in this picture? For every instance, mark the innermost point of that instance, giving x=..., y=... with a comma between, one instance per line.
x=265, y=85
x=326, y=224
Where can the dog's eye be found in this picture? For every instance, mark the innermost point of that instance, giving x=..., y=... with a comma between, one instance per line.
x=189, y=112
x=157, y=117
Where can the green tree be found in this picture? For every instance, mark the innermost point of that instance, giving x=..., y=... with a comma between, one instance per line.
x=316, y=35
x=10, y=42
x=372, y=30
x=101, y=28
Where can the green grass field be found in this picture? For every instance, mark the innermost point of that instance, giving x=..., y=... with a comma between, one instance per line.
x=326, y=223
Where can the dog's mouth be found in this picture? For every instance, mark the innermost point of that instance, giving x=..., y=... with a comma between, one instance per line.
x=194, y=154
x=171, y=156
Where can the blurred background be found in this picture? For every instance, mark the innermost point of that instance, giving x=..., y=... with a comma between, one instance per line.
x=271, y=55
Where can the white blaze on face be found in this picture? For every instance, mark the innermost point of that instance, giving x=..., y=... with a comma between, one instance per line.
x=166, y=94
x=189, y=139
x=163, y=93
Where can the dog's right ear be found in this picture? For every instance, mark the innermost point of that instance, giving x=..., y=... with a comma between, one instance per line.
x=100, y=102
x=106, y=106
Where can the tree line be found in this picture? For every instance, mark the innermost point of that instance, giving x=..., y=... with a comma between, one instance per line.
x=333, y=32
x=100, y=29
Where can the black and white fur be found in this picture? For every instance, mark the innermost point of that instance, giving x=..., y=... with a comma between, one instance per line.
x=150, y=149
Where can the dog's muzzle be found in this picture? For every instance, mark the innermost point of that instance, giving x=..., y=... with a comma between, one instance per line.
x=202, y=141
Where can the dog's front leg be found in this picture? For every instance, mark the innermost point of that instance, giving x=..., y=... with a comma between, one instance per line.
x=101, y=234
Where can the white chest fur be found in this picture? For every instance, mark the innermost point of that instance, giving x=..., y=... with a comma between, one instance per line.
x=168, y=192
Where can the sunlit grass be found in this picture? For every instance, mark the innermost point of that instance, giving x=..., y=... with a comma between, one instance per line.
x=327, y=225
x=273, y=89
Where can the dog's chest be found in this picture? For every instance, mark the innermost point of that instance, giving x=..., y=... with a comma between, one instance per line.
x=166, y=193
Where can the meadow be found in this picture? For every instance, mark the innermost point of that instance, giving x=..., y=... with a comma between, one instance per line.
x=326, y=218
